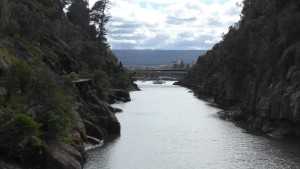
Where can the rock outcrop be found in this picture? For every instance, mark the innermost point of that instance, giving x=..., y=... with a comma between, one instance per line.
x=62, y=156
x=121, y=95
x=256, y=67
x=94, y=120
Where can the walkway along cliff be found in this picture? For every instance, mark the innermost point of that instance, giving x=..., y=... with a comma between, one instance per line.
x=254, y=72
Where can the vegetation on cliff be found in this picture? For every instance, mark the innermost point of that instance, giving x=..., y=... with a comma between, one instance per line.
x=44, y=46
x=256, y=67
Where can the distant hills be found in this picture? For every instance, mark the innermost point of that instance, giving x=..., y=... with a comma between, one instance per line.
x=156, y=57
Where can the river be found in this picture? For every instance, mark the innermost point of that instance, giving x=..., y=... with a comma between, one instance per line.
x=166, y=127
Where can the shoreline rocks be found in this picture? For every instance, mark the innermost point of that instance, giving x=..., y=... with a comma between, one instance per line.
x=121, y=95
x=263, y=122
x=95, y=120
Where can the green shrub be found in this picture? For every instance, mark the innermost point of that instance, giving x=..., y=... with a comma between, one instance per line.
x=23, y=74
x=103, y=85
x=19, y=135
x=21, y=126
x=3, y=101
x=4, y=52
x=60, y=116
x=105, y=94
x=102, y=79
x=73, y=76
x=66, y=140
x=120, y=81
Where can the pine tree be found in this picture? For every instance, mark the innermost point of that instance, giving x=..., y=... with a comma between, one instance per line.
x=99, y=17
x=78, y=13
x=4, y=14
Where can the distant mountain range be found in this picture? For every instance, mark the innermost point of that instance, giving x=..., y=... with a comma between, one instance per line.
x=156, y=57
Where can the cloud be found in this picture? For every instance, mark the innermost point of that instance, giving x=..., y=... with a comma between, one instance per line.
x=169, y=24
x=178, y=21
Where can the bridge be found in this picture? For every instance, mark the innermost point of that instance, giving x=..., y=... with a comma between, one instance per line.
x=158, y=74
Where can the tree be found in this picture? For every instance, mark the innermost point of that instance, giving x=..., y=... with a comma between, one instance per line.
x=99, y=17
x=78, y=13
x=120, y=65
x=4, y=14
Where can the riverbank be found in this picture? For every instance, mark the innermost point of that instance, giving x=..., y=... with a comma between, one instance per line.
x=255, y=69
x=273, y=127
x=94, y=120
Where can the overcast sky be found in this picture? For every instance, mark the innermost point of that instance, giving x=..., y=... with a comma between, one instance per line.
x=169, y=24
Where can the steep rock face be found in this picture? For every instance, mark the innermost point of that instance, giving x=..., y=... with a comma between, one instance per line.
x=256, y=66
x=97, y=112
x=64, y=156
x=94, y=119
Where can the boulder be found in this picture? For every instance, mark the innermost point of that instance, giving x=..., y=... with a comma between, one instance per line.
x=95, y=100
x=177, y=83
x=78, y=125
x=267, y=126
x=121, y=95
x=117, y=110
x=78, y=142
x=78, y=133
x=233, y=113
x=114, y=109
x=62, y=156
x=101, y=117
x=93, y=130
x=93, y=140
x=135, y=87
x=284, y=129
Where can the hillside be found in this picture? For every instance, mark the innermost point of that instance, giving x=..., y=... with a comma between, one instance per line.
x=156, y=57
x=254, y=71
x=56, y=75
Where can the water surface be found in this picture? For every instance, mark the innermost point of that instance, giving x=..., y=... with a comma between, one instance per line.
x=166, y=127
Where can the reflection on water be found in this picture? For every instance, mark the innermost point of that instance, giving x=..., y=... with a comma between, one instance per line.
x=165, y=126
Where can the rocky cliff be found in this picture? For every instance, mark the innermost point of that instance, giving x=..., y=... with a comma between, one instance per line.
x=94, y=120
x=57, y=74
x=254, y=71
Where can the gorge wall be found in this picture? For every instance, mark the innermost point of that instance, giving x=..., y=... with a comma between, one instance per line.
x=255, y=70
x=57, y=74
